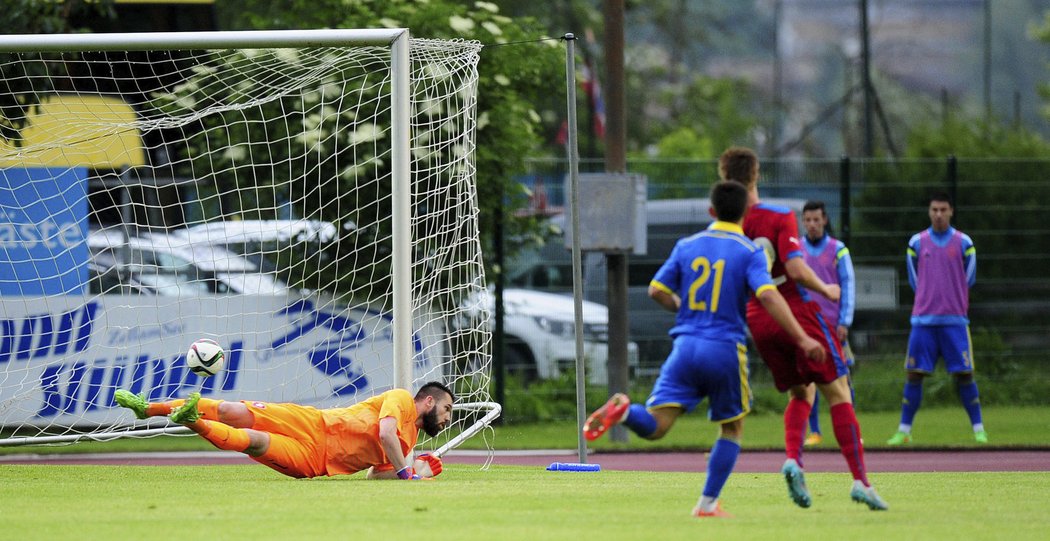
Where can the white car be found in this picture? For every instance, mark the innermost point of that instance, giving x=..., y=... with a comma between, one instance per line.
x=540, y=336
x=246, y=231
x=172, y=265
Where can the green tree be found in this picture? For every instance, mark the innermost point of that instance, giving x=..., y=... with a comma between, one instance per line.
x=517, y=69
x=666, y=45
x=999, y=194
x=1041, y=32
x=27, y=76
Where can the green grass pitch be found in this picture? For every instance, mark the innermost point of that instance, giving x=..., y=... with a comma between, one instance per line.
x=116, y=503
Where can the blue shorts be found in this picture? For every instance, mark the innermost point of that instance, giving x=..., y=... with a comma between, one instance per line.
x=950, y=342
x=847, y=354
x=698, y=369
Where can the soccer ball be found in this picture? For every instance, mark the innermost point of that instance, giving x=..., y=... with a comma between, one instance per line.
x=205, y=357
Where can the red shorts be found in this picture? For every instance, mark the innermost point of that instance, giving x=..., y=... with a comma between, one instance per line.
x=788, y=363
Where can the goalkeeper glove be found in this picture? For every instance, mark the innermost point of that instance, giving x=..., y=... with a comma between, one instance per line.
x=407, y=474
x=432, y=461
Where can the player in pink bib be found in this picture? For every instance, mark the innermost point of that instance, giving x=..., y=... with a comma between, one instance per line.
x=942, y=267
x=830, y=260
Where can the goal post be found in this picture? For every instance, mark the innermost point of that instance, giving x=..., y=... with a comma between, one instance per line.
x=306, y=198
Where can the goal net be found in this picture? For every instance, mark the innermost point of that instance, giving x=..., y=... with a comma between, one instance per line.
x=306, y=199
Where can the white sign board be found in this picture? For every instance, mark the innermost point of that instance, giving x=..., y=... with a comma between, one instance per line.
x=62, y=358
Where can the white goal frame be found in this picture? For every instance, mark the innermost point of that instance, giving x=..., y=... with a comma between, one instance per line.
x=398, y=40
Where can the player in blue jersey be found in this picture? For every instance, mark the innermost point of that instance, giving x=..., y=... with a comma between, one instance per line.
x=942, y=267
x=707, y=281
x=830, y=260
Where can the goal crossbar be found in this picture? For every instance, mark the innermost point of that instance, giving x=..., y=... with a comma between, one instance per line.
x=145, y=41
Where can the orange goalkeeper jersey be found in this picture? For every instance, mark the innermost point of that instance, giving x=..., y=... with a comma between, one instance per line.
x=352, y=442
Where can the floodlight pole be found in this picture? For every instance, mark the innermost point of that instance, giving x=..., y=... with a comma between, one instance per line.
x=577, y=266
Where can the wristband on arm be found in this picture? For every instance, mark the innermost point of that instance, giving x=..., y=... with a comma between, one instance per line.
x=406, y=473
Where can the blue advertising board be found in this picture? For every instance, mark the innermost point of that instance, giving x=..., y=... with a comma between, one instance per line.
x=43, y=227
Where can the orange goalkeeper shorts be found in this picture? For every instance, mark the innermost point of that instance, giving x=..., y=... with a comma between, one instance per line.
x=297, y=438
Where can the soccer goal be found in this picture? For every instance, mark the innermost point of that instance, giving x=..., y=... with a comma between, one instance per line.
x=304, y=198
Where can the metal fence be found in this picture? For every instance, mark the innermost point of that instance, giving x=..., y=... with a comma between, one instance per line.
x=875, y=205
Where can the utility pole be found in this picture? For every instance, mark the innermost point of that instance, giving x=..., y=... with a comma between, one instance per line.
x=778, y=81
x=865, y=54
x=616, y=162
x=988, y=62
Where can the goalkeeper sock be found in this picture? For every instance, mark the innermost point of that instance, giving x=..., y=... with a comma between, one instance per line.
x=795, y=417
x=163, y=409
x=719, y=465
x=223, y=436
x=209, y=408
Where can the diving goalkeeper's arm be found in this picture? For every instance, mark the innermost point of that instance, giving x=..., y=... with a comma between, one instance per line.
x=391, y=445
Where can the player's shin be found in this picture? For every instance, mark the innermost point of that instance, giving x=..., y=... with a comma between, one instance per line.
x=163, y=409
x=970, y=398
x=640, y=421
x=795, y=418
x=209, y=408
x=911, y=402
x=719, y=465
x=223, y=436
x=847, y=432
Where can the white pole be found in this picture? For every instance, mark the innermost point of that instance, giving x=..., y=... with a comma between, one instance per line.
x=577, y=267
x=401, y=169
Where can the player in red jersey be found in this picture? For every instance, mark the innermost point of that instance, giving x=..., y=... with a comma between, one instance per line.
x=775, y=229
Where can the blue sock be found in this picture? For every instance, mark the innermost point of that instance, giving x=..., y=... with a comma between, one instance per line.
x=814, y=418
x=720, y=465
x=971, y=401
x=640, y=421
x=912, y=401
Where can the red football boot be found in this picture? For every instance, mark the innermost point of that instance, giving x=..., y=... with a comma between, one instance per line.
x=606, y=416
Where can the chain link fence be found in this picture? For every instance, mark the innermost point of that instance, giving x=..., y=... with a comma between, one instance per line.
x=875, y=206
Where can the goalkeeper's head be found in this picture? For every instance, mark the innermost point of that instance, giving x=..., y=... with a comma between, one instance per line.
x=434, y=406
x=729, y=200
x=739, y=164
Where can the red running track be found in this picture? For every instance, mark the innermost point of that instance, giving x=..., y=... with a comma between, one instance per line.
x=749, y=461
x=820, y=461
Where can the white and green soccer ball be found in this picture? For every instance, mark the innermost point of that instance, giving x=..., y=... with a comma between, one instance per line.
x=205, y=357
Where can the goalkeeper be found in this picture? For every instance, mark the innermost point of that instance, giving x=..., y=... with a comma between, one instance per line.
x=377, y=434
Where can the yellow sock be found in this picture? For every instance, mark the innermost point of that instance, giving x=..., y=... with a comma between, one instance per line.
x=223, y=436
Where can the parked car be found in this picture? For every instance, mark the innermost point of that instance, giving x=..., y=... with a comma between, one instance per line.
x=171, y=265
x=540, y=334
x=550, y=269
